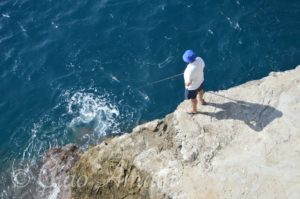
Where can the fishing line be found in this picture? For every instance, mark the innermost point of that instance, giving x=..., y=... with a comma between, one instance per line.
x=159, y=81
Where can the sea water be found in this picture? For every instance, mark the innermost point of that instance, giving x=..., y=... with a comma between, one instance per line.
x=69, y=70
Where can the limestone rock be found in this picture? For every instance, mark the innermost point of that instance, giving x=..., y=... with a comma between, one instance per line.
x=245, y=143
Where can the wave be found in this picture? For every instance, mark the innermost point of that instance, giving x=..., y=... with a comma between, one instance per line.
x=81, y=117
x=94, y=111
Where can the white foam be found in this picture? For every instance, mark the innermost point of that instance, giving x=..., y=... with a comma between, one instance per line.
x=237, y=26
x=54, y=24
x=27, y=152
x=5, y=15
x=165, y=62
x=234, y=24
x=88, y=107
x=55, y=191
x=22, y=27
x=114, y=78
x=144, y=95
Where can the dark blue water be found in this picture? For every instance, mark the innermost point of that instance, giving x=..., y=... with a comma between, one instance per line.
x=69, y=68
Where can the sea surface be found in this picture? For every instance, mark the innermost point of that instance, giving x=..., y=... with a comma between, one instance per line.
x=74, y=71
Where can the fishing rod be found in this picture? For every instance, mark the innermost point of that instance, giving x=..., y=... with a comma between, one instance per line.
x=159, y=81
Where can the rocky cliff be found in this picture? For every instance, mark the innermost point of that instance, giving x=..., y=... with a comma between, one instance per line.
x=245, y=143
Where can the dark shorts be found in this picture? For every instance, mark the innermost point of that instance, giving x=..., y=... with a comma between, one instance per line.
x=192, y=94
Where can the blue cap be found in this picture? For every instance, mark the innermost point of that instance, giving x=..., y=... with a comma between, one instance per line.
x=189, y=56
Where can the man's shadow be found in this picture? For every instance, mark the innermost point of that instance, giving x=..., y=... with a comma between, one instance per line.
x=256, y=116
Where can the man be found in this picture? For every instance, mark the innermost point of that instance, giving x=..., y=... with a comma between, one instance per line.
x=193, y=79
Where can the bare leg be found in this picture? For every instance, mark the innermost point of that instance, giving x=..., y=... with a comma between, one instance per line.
x=200, y=97
x=194, y=105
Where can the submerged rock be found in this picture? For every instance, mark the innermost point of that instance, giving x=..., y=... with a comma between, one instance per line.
x=54, y=181
x=245, y=143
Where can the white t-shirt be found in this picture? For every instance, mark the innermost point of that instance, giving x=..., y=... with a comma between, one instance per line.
x=194, y=74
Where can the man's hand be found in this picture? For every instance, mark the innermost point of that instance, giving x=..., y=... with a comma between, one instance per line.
x=188, y=84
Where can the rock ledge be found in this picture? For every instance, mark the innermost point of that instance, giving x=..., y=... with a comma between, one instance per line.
x=243, y=144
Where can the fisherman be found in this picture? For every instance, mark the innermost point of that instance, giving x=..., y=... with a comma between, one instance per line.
x=193, y=79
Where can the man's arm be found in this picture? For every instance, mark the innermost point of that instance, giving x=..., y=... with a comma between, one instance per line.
x=187, y=84
x=187, y=78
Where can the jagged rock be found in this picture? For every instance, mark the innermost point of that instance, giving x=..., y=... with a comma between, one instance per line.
x=54, y=180
x=151, y=126
x=243, y=144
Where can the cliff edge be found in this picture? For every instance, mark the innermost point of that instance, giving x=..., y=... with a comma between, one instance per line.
x=245, y=143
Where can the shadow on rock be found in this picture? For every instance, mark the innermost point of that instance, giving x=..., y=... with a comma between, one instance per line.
x=256, y=116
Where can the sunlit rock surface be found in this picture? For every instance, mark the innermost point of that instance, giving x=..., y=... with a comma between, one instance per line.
x=245, y=143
